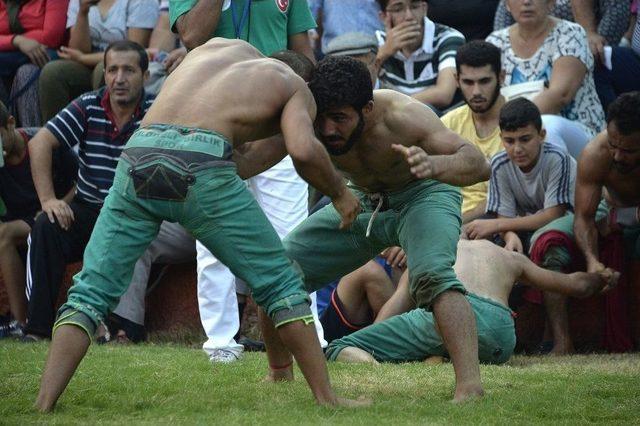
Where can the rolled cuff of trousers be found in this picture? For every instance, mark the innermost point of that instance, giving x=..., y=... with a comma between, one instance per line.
x=75, y=317
x=290, y=309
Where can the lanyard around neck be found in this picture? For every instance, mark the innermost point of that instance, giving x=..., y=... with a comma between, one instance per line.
x=237, y=25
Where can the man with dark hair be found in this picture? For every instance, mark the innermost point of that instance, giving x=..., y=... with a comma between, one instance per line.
x=479, y=77
x=607, y=199
x=417, y=56
x=300, y=64
x=401, y=162
x=22, y=204
x=97, y=124
x=129, y=46
x=184, y=165
x=531, y=184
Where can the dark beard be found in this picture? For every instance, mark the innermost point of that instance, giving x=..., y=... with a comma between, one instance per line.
x=492, y=102
x=355, y=136
x=624, y=169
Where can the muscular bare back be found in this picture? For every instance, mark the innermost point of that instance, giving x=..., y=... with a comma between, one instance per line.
x=229, y=87
x=486, y=269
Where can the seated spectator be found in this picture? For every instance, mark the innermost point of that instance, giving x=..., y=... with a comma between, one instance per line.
x=335, y=18
x=473, y=18
x=605, y=21
x=479, y=77
x=22, y=206
x=610, y=165
x=30, y=33
x=620, y=74
x=173, y=245
x=488, y=273
x=416, y=55
x=359, y=46
x=555, y=53
x=99, y=123
x=80, y=68
x=532, y=182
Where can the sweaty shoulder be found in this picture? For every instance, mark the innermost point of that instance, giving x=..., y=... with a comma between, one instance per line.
x=399, y=110
x=595, y=157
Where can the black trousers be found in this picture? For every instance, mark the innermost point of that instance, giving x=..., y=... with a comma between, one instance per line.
x=51, y=248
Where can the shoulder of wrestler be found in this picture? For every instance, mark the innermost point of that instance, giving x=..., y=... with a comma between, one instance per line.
x=399, y=111
x=595, y=159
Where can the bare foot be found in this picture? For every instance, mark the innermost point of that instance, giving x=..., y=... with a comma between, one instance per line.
x=467, y=393
x=434, y=360
x=351, y=354
x=561, y=349
x=361, y=401
x=283, y=375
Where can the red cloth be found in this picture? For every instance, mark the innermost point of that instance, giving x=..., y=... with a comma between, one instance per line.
x=542, y=244
x=43, y=20
x=617, y=335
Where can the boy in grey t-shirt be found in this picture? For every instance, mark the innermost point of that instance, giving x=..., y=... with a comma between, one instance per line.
x=532, y=182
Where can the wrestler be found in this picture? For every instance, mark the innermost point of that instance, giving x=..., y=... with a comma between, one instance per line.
x=402, y=163
x=185, y=165
x=488, y=272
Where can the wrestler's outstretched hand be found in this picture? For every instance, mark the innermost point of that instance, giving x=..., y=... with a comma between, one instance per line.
x=347, y=206
x=419, y=161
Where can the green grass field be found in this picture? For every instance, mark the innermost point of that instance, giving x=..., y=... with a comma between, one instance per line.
x=170, y=384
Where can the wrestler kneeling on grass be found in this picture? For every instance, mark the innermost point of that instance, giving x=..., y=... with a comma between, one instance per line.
x=488, y=272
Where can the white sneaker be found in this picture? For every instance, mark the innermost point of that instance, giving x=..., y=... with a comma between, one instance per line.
x=223, y=356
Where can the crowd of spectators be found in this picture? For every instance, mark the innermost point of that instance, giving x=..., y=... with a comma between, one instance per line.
x=528, y=82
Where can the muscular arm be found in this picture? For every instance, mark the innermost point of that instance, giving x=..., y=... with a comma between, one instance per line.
x=451, y=159
x=196, y=26
x=588, y=193
x=309, y=156
x=255, y=157
x=566, y=78
x=441, y=94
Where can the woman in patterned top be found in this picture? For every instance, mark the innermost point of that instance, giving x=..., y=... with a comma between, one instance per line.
x=541, y=47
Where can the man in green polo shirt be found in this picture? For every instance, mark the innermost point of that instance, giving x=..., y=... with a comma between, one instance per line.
x=269, y=26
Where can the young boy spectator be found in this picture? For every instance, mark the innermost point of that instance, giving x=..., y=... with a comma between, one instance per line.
x=479, y=78
x=532, y=182
x=22, y=206
x=416, y=55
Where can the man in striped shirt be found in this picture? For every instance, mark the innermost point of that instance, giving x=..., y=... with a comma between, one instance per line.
x=98, y=124
x=417, y=56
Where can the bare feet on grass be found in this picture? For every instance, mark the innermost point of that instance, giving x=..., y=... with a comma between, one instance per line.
x=280, y=374
x=466, y=393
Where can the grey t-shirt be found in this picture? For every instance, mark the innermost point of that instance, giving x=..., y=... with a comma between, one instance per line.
x=550, y=183
x=124, y=14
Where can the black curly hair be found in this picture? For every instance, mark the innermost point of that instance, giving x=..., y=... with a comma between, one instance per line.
x=625, y=112
x=519, y=113
x=341, y=81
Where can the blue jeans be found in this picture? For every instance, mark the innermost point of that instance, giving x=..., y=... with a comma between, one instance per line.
x=11, y=61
